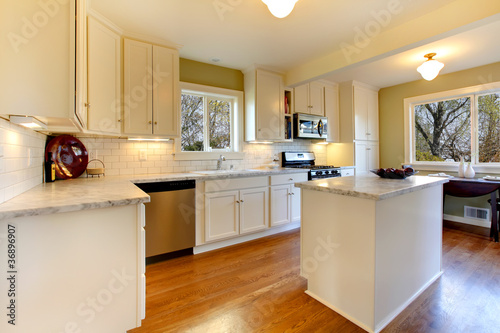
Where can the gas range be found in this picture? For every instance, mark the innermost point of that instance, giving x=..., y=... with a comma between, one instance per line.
x=304, y=160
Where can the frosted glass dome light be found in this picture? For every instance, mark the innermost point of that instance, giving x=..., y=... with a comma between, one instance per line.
x=280, y=8
x=430, y=68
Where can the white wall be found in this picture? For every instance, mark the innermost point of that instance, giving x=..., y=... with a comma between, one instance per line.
x=21, y=166
x=121, y=157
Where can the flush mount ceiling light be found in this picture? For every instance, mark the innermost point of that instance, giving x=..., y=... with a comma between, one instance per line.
x=29, y=122
x=430, y=68
x=280, y=8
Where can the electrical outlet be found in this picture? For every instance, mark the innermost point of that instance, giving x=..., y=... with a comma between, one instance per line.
x=92, y=155
x=143, y=155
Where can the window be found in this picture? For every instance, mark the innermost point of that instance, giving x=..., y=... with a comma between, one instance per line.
x=210, y=122
x=205, y=122
x=441, y=128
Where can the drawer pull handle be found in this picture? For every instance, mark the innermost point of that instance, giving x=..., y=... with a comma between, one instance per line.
x=290, y=179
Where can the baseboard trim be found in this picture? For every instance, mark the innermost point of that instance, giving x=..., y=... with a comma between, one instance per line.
x=245, y=238
x=464, y=220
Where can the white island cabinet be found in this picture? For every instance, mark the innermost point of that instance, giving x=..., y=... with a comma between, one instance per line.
x=74, y=265
x=370, y=246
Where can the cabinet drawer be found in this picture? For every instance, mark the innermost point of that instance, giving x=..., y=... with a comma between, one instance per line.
x=346, y=172
x=288, y=178
x=227, y=184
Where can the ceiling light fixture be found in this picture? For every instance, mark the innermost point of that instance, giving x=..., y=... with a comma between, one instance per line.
x=280, y=8
x=430, y=68
x=27, y=121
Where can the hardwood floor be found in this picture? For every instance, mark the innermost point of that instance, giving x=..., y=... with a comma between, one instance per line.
x=256, y=287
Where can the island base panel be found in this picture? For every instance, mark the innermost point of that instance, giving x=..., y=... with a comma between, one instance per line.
x=367, y=259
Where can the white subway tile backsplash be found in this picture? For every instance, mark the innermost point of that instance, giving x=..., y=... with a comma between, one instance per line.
x=22, y=160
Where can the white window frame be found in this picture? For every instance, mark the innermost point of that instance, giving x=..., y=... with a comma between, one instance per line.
x=409, y=127
x=236, y=97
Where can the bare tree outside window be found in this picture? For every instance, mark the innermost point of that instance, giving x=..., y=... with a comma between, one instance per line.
x=205, y=122
x=219, y=124
x=192, y=119
x=443, y=130
x=489, y=128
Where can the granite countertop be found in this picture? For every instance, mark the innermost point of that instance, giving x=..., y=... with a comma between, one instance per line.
x=372, y=186
x=92, y=193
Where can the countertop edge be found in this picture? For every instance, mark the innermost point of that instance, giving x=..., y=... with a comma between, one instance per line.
x=49, y=198
x=371, y=196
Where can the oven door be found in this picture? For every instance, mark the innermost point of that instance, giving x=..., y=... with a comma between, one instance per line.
x=310, y=127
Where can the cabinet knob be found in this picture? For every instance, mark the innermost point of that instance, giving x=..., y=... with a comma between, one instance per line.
x=150, y=122
x=368, y=149
x=368, y=134
x=119, y=120
x=241, y=201
x=156, y=123
x=290, y=179
x=87, y=105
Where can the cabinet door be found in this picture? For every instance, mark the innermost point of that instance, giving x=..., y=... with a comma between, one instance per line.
x=103, y=80
x=221, y=215
x=41, y=50
x=361, y=156
x=165, y=92
x=361, y=100
x=372, y=115
x=138, y=83
x=270, y=95
x=254, y=209
x=295, y=203
x=280, y=205
x=373, y=155
x=332, y=112
x=316, y=98
x=301, y=99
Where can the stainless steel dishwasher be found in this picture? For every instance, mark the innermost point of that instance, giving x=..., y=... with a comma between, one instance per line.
x=170, y=219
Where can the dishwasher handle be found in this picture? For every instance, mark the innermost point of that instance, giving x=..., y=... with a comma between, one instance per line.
x=174, y=185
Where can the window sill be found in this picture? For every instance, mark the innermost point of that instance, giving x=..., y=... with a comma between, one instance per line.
x=453, y=167
x=206, y=155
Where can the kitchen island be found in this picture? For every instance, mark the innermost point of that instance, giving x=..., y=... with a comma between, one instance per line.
x=370, y=246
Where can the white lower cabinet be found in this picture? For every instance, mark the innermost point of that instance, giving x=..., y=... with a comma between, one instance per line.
x=285, y=198
x=254, y=210
x=366, y=156
x=238, y=210
x=221, y=215
x=238, y=206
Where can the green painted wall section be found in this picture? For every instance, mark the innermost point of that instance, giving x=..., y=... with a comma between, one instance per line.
x=210, y=75
x=391, y=109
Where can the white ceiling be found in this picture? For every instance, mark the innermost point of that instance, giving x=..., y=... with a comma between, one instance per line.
x=242, y=33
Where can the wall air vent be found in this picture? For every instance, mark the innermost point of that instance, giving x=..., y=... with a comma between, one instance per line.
x=477, y=213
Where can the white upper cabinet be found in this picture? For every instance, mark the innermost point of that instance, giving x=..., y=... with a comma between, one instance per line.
x=358, y=112
x=309, y=98
x=43, y=60
x=332, y=112
x=264, y=101
x=104, y=79
x=365, y=114
x=151, y=90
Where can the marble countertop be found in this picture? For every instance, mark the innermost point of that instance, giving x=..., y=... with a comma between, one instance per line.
x=372, y=186
x=92, y=193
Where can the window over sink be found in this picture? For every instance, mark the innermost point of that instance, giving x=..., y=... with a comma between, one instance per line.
x=211, y=123
x=442, y=128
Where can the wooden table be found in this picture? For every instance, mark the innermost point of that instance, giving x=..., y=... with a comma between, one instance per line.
x=464, y=188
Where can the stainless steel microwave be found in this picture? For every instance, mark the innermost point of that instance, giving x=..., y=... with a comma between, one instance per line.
x=309, y=126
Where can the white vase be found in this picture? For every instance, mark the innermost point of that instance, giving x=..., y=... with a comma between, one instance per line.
x=469, y=172
x=461, y=168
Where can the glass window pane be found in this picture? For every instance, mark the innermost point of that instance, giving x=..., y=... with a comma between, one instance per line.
x=442, y=130
x=219, y=117
x=489, y=128
x=191, y=122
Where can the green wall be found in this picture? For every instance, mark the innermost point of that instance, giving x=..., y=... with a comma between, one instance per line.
x=210, y=75
x=391, y=113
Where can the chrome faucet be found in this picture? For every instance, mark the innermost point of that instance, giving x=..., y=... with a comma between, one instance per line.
x=219, y=162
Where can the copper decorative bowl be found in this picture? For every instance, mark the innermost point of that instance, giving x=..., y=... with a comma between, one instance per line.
x=69, y=154
x=391, y=173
